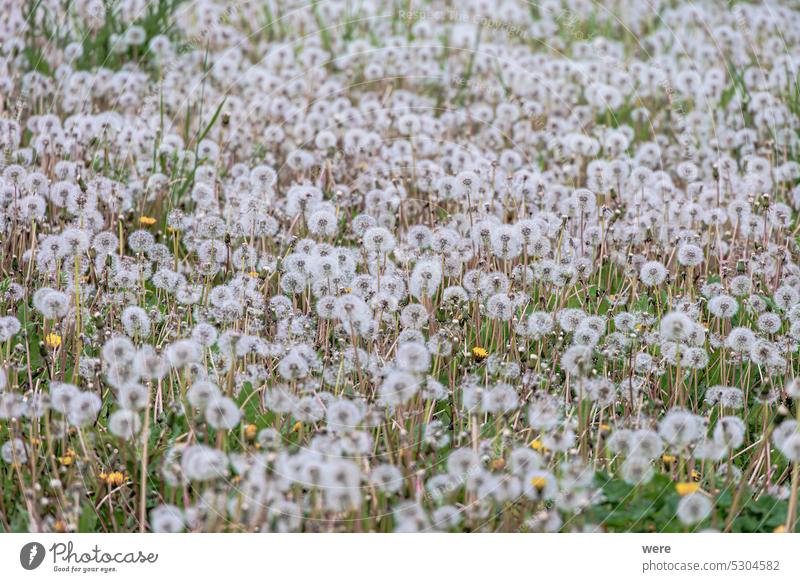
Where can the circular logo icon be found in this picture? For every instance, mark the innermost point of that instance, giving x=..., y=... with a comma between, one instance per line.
x=31, y=555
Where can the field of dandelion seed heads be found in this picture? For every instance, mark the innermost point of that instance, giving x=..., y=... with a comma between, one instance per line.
x=335, y=266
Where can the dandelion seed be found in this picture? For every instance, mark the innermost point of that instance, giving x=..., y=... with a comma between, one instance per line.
x=124, y=424
x=222, y=413
x=694, y=508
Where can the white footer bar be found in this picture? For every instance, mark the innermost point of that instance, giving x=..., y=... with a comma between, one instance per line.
x=381, y=557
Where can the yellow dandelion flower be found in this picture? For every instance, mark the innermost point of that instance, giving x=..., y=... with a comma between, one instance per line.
x=250, y=431
x=253, y=274
x=66, y=461
x=297, y=426
x=780, y=529
x=479, y=353
x=147, y=220
x=668, y=459
x=687, y=488
x=537, y=445
x=115, y=479
x=539, y=482
x=52, y=340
